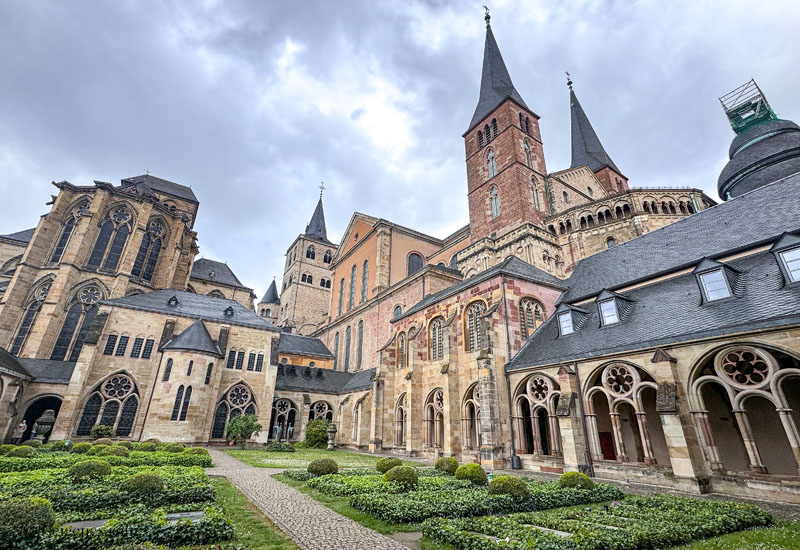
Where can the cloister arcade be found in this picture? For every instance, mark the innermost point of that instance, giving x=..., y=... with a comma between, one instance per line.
x=536, y=430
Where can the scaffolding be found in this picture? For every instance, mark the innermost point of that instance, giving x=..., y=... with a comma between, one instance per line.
x=746, y=106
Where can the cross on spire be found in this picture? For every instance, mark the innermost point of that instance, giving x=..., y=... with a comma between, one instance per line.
x=569, y=80
x=321, y=188
x=487, y=17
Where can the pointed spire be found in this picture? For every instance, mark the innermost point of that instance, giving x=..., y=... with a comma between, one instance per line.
x=195, y=338
x=316, y=227
x=586, y=147
x=496, y=84
x=271, y=295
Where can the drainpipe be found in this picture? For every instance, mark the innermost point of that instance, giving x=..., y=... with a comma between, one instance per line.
x=150, y=400
x=516, y=463
x=586, y=452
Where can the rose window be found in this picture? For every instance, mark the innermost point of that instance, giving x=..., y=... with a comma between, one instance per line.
x=239, y=396
x=745, y=367
x=90, y=295
x=619, y=379
x=282, y=406
x=81, y=210
x=538, y=388
x=121, y=215
x=320, y=408
x=156, y=228
x=438, y=400
x=117, y=386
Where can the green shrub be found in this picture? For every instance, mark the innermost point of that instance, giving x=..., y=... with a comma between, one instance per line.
x=148, y=447
x=472, y=472
x=35, y=443
x=575, y=480
x=242, y=428
x=508, y=485
x=298, y=475
x=24, y=518
x=117, y=450
x=447, y=464
x=22, y=452
x=279, y=447
x=100, y=431
x=89, y=469
x=57, y=446
x=385, y=464
x=5, y=449
x=403, y=475
x=65, y=460
x=323, y=466
x=196, y=451
x=143, y=483
x=154, y=440
x=98, y=450
x=127, y=444
x=103, y=441
x=81, y=448
x=174, y=448
x=316, y=434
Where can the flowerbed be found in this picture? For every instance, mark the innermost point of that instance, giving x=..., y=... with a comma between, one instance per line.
x=635, y=523
x=419, y=505
x=135, y=458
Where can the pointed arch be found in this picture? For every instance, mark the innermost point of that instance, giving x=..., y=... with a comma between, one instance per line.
x=238, y=398
x=114, y=402
x=472, y=325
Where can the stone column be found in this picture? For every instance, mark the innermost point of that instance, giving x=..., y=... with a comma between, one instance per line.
x=300, y=423
x=491, y=445
x=790, y=428
x=382, y=263
x=555, y=437
x=756, y=465
x=376, y=422
x=647, y=445
x=706, y=439
x=616, y=427
x=570, y=423
x=537, y=436
x=594, y=437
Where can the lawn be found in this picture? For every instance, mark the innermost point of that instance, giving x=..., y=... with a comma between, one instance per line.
x=301, y=457
x=785, y=535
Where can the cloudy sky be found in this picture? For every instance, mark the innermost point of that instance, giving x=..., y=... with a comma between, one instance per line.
x=253, y=103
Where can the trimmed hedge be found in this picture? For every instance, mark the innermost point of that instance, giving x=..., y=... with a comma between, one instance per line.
x=385, y=464
x=89, y=470
x=127, y=444
x=174, y=448
x=472, y=472
x=323, y=466
x=22, y=452
x=447, y=464
x=135, y=458
x=99, y=450
x=348, y=485
x=24, y=518
x=299, y=475
x=35, y=443
x=637, y=523
x=279, y=447
x=103, y=441
x=573, y=480
x=5, y=449
x=508, y=485
x=405, y=476
x=196, y=451
x=81, y=448
x=148, y=447
x=143, y=483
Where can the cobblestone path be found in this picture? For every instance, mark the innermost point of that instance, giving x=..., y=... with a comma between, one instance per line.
x=312, y=526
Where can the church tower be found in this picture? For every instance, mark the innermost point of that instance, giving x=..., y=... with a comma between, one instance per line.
x=504, y=154
x=306, y=288
x=588, y=151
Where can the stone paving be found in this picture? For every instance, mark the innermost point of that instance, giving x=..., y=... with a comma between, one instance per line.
x=311, y=525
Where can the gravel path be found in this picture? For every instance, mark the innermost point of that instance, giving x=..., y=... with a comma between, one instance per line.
x=312, y=526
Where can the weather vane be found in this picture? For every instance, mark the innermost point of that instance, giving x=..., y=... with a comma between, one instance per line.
x=321, y=188
x=569, y=80
x=487, y=16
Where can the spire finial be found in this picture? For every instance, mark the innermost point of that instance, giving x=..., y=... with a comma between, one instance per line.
x=321, y=188
x=569, y=80
x=487, y=17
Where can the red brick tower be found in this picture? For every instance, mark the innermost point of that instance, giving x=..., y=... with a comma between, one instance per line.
x=504, y=152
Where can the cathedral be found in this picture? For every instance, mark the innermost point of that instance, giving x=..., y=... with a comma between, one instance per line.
x=575, y=324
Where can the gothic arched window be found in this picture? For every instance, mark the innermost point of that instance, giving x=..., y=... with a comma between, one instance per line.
x=531, y=316
x=115, y=229
x=494, y=202
x=167, y=371
x=149, y=250
x=528, y=157
x=178, y=401
x=347, y=349
x=284, y=414
x=81, y=313
x=66, y=232
x=341, y=296
x=494, y=127
x=328, y=257
x=360, y=346
x=436, y=333
x=397, y=312
x=487, y=132
x=28, y=318
x=401, y=350
x=491, y=164
x=352, y=297
x=480, y=139
x=414, y=263
x=310, y=252
x=364, y=280
x=113, y=403
x=335, y=350
x=238, y=400
x=473, y=321
x=185, y=406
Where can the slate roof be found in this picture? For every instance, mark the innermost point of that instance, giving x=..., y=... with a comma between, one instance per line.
x=512, y=266
x=316, y=227
x=197, y=306
x=147, y=183
x=496, y=85
x=10, y=364
x=303, y=345
x=194, y=338
x=316, y=380
x=45, y=370
x=23, y=236
x=213, y=271
x=271, y=295
x=586, y=147
x=757, y=217
x=672, y=311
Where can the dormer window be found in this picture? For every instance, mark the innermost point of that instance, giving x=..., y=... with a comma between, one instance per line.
x=608, y=312
x=791, y=262
x=229, y=311
x=715, y=286
x=565, y=323
x=173, y=301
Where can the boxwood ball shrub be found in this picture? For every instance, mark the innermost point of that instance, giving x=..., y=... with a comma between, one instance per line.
x=81, y=448
x=148, y=447
x=154, y=440
x=89, y=470
x=279, y=447
x=103, y=441
x=143, y=483
x=446, y=464
x=5, y=449
x=117, y=450
x=174, y=448
x=35, y=443
x=323, y=466
x=196, y=451
x=385, y=464
x=473, y=473
x=508, y=485
x=98, y=450
x=404, y=475
x=22, y=452
x=575, y=480
x=100, y=431
x=127, y=444
x=24, y=518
